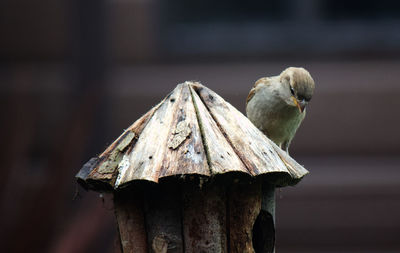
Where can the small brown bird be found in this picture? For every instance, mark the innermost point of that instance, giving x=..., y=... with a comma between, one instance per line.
x=276, y=105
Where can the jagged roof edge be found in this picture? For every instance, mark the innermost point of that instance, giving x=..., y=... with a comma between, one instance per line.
x=296, y=170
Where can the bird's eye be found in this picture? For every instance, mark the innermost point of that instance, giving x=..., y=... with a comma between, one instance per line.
x=300, y=97
x=292, y=90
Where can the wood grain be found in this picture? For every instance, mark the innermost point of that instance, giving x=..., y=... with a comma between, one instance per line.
x=189, y=157
x=220, y=154
x=137, y=127
x=131, y=223
x=204, y=218
x=145, y=160
x=104, y=167
x=163, y=215
x=244, y=207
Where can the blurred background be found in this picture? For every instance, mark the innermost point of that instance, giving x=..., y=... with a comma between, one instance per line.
x=74, y=74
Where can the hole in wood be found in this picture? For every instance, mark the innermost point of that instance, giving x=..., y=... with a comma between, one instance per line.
x=264, y=233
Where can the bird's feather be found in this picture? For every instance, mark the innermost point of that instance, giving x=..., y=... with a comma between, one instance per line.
x=263, y=80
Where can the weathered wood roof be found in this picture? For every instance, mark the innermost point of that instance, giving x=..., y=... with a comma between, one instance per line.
x=193, y=131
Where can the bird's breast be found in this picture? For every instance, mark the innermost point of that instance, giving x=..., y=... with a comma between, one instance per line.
x=273, y=116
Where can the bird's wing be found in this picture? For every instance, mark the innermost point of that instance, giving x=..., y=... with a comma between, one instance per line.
x=263, y=80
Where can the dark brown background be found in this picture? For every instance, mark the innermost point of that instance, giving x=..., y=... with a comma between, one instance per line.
x=73, y=74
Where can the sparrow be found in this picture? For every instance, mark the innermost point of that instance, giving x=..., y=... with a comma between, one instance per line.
x=277, y=105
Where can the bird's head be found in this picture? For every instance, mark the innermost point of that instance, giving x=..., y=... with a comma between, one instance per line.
x=298, y=87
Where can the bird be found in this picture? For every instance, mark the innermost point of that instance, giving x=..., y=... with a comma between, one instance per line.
x=277, y=105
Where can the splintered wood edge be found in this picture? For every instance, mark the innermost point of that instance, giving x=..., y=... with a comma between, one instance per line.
x=88, y=177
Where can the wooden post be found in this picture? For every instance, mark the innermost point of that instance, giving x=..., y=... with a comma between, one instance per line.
x=204, y=217
x=130, y=219
x=227, y=214
x=163, y=215
x=244, y=208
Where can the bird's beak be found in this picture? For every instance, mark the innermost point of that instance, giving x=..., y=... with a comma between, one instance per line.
x=300, y=104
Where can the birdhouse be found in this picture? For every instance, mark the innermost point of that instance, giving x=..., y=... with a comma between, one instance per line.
x=193, y=175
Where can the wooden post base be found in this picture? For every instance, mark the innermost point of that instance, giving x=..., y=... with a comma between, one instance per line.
x=225, y=214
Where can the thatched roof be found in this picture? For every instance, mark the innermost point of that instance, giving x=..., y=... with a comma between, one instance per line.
x=193, y=131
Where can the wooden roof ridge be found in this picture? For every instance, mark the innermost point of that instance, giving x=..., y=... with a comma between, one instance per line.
x=193, y=131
